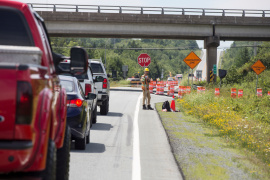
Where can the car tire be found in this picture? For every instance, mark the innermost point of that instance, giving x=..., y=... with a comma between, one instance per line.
x=80, y=143
x=88, y=137
x=63, y=157
x=94, y=120
x=50, y=170
x=104, y=109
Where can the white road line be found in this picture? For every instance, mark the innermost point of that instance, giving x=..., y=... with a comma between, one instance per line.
x=136, y=164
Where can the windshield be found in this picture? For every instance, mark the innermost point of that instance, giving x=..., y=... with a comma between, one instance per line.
x=68, y=85
x=97, y=68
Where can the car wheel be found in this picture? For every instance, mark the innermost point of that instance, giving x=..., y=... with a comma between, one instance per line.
x=95, y=116
x=63, y=157
x=80, y=143
x=88, y=137
x=50, y=171
x=104, y=109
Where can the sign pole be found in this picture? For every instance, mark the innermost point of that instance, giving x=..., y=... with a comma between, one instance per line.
x=258, y=67
x=188, y=76
x=192, y=77
x=256, y=84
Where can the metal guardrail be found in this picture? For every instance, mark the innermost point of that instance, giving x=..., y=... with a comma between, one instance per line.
x=150, y=10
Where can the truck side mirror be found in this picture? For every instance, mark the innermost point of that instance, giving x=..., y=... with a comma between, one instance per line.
x=78, y=60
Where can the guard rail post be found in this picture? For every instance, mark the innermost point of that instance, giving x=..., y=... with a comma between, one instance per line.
x=120, y=10
x=54, y=8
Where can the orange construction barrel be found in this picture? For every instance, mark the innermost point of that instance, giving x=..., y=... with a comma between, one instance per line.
x=217, y=92
x=259, y=92
x=188, y=89
x=240, y=93
x=233, y=92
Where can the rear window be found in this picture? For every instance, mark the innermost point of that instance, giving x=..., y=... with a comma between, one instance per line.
x=68, y=85
x=96, y=68
x=14, y=28
x=82, y=76
x=65, y=66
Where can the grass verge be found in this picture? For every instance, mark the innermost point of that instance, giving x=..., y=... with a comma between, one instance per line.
x=202, y=152
x=119, y=83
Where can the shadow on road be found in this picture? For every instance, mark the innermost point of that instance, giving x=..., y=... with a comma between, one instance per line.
x=102, y=127
x=115, y=114
x=90, y=148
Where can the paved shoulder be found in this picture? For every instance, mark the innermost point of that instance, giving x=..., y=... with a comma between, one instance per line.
x=157, y=161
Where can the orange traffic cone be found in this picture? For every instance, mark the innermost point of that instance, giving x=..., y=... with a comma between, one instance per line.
x=173, y=105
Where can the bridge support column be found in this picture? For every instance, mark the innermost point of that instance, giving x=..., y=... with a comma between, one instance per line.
x=210, y=44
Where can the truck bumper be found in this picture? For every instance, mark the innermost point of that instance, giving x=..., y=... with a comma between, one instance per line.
x=14, y=155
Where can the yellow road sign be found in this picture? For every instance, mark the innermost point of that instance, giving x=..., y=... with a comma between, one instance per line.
x=258, y=67
x=192, y=60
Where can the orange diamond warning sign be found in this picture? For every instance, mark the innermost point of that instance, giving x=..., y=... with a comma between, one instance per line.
x=258, y=67
x=192, y=60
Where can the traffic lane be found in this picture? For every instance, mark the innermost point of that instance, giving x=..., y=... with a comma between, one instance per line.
x=157, y=161
x=109, y=154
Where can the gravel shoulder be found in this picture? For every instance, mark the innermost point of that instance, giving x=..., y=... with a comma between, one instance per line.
x=202, y=154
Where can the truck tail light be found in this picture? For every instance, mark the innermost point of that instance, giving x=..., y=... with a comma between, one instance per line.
x=74, y=103
x=24, y=103
x=105, y=83
x=87, y=89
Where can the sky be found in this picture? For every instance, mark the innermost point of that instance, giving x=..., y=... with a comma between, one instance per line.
x=218, y=4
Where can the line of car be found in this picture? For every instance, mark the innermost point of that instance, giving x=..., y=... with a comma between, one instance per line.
x=40, y=100
x=84, y=93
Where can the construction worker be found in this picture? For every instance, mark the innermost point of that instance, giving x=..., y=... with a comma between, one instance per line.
x=145, y=87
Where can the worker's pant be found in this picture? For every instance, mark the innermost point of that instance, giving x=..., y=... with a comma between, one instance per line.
x=146, y=94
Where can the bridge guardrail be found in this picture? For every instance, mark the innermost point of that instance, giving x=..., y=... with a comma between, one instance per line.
x=150, y=10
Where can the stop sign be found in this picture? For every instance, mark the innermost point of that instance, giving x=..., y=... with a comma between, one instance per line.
x=144, y=60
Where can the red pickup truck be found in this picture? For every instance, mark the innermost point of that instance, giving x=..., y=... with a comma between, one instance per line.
x=34, y=138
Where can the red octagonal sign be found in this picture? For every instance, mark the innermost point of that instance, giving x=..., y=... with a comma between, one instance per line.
x=144, y=60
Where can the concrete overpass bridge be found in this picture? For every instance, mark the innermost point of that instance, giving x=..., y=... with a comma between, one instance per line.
x=210, y=25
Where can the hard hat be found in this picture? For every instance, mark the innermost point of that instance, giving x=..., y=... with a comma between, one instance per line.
x=146, y=69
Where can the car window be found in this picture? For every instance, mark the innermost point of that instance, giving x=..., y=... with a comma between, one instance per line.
x=68, y=85
x=14, y=28
x=64, y=66
x=97, y=68
x=81, y=76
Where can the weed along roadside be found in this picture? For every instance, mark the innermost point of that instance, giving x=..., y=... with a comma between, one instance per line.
x=220, y=137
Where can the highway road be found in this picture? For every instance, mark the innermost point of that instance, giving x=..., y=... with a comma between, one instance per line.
x=202, y=65
x=129, y=143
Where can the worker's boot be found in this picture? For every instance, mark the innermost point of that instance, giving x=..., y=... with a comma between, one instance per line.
x=149, y=107
x=144, y=107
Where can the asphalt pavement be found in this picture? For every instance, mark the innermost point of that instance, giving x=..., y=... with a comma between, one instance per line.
x=128, y=143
